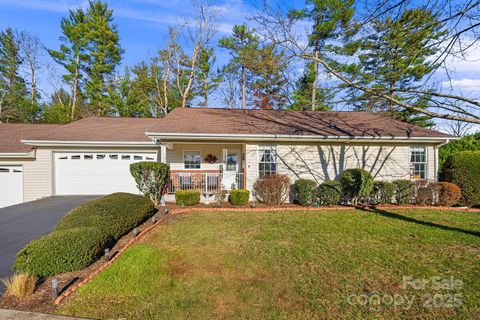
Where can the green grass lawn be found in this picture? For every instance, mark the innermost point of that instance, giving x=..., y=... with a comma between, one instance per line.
x=300, y=265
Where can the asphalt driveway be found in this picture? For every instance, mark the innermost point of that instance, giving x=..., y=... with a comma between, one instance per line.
x=24, y=222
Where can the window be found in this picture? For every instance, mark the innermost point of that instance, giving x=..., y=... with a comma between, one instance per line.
x=113, y=156
x=137, y=157
x=88, y=157
x=267, y=160
x=100, y=156
x=75, y=157
x=418, y=163
x=232, y=162
x=191, y=159
x=125, y=157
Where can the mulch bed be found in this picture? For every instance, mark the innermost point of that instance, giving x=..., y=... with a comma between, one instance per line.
x=41, y=300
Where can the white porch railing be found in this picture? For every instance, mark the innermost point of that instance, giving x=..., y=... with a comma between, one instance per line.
x=209, y=182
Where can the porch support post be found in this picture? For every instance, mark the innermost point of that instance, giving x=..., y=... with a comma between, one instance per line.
x=163, y=153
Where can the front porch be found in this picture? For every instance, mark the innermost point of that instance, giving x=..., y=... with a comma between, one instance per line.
x=207, y=168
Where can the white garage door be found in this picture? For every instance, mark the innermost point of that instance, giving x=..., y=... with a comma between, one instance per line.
x=11, y=185
x=96, y=173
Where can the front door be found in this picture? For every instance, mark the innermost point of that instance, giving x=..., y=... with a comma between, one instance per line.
x=232, y=166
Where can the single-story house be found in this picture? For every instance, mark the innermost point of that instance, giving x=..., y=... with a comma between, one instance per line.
x=208, y=150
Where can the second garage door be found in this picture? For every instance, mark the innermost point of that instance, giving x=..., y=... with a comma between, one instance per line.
x=96, y=173
x=11, y=185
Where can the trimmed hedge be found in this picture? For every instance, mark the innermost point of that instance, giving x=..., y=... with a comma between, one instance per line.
x=463, y=169
x=61, y=251
x=239, y=197
x=356, y=184
x=115, y=214
x=383, y=192
x=80, y=237
x=404, y=191
x=330, y=193
x=306, y=191
x=151, y=178
x=187, y=197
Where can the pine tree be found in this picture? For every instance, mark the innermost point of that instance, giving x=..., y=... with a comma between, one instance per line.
x=14, y=104
x=105, y=54
x=73, y=56
x=395, y=57
x=269, y=78
x=243, y=44
x=207, y=79
x=330, y=20
x=302, y=95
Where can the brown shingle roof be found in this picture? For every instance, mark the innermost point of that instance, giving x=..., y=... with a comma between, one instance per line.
x=12, y=133
x=286, y=122
x=100, y=129
x=212, y=121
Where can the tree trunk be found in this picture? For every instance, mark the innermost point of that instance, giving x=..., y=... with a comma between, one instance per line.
x=314, y=83
x=243, y=89
x=75, y=89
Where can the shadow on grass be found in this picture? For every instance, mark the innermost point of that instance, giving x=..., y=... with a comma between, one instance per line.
x=420, y=222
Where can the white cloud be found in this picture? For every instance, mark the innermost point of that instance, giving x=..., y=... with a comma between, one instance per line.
x=465, y=83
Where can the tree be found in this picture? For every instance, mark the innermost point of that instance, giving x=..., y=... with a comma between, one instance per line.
x=185, y=46
x=329, y=17
x=104, y=53
x=269, y=81
x=467, y=143
x=31, y=49
x=396, y=56
x=302, y=95
x=208, y=79
x=460, y=20
x=242, y=44
x=58, y=109
x=13, y=90
x=73, y=55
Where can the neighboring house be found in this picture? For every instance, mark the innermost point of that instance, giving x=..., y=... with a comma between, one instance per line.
x=92, y=155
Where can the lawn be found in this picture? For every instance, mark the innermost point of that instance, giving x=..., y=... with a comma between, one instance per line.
x=347, y=264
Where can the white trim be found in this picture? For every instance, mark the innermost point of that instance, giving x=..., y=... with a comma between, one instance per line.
x=282, y=137
x=183, y=159
x=17, y=155
x=54, y=143
x=426, y=162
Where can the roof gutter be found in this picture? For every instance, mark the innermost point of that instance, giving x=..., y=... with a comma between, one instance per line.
x=18, y=155
x=56, y=143
x=277, y=137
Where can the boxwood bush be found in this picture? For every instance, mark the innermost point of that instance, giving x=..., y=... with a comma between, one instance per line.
x=356, y=184
x=115, y=214
x=404, y=191
x=330, y=193
x=239, y=197
x=306, y=192
x=151, y=178
x=61, y=251
x=463, y=169
x=80, y=237
x=187, y=197
x=383, y=192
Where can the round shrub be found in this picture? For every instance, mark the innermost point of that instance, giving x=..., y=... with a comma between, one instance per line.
x=356, y=183
x=404, y=191
x=61, y=251
x=239, y=197
x=306, y=191
x=463, y=169
x=330, y=193
x=272, y=189
x=151, y=178
x=114, y=215
x=383, y=192
x=187, y=197
x=447, y=194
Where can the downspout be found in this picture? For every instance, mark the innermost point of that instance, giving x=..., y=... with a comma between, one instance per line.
x=436, y=150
